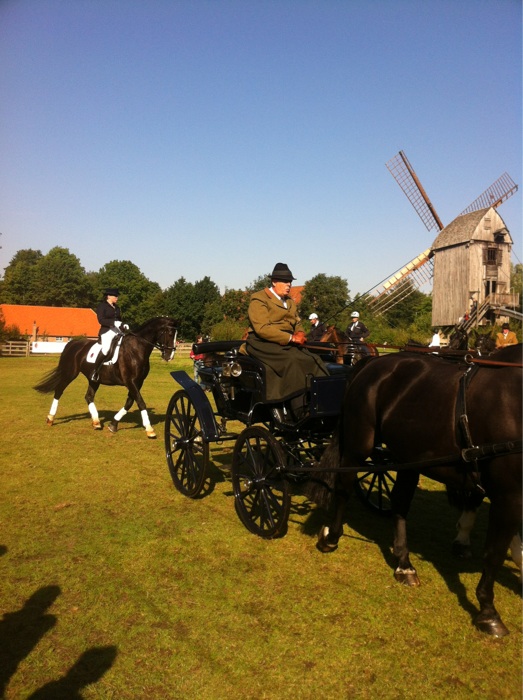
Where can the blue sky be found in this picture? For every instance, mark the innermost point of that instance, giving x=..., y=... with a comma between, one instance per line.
x=218, y=137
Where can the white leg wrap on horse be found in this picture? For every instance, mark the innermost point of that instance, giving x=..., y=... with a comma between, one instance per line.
x=464, y=527
x=93, y=411
x=121, y=413
x=54, y=408
x=145, y=419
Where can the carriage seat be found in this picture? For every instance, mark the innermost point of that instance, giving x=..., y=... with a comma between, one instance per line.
x=335, y=370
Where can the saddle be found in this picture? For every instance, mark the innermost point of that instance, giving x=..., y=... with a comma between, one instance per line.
x=114, y=351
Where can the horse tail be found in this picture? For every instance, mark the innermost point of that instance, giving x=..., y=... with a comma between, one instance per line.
x=50, y=382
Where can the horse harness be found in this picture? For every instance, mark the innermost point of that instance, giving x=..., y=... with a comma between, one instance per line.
x=469, y=455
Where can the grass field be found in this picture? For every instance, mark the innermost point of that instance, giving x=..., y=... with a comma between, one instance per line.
x=115, y=586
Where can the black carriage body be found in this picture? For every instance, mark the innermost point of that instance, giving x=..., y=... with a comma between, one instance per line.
x=273, y=448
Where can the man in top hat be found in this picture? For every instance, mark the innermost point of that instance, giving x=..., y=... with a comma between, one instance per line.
x=318, y=329
x=276, y=338
x=506, y=337
x=110, y=320
x=357, y=332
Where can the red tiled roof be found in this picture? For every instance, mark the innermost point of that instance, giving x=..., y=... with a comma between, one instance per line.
x=51, y=321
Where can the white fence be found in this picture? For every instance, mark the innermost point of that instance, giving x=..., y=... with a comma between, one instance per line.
x=23, y=348
x=46, y=347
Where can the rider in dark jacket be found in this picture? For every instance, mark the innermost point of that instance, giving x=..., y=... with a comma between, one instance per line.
x=357, y=332
x=318, y=329
x=110, y=320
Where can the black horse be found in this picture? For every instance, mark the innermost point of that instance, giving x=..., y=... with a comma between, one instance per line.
x=129, y=370
x=436, y=417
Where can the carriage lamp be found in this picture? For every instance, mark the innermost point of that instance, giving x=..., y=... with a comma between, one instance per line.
x=231, y=369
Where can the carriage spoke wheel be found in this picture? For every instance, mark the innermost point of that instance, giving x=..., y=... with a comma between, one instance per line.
x=261, y=493
x=186, y=450
x=374, y=490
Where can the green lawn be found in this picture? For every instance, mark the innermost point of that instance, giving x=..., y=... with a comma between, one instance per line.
x=113, y=585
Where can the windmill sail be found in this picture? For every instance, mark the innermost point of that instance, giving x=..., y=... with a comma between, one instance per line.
x=411, y=277
x=493, y=196
x=403, y=172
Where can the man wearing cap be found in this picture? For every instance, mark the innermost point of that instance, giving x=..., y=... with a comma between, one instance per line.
x=357, y=332
x=110, y=320
x=317, y=330
x=506, y=337
x=276, y=338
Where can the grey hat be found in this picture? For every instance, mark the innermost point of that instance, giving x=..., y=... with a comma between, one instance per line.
x=282, y=273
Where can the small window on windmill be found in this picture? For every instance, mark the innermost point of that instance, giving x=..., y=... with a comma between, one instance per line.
x=492, y=256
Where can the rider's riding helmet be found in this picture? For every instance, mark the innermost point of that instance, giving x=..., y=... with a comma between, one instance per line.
x=354, y=314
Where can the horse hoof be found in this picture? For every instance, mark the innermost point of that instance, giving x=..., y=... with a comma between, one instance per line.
x=323, y=543
x=49, y=420
x=151, y=434
x=97, y=425
x=407, y=577
x=461, y=551
x=113, y=426
x=491, y=625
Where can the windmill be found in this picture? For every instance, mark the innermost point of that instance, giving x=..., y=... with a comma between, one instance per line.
x=418, y=273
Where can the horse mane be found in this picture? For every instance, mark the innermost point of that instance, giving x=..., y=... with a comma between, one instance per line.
x=156, y=321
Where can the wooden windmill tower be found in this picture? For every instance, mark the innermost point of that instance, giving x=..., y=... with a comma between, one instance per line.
x=468, y=263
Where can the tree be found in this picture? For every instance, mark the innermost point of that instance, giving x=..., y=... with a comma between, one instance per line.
x=19, y=278
x=328, y=296
x=412, y=305
x=60, y=280
x=187, y=303
x=516, y=280
x=140, y=299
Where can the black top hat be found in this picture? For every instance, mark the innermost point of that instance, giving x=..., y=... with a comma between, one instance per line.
x=112, y=292
x=282, y=273
x=505, y=325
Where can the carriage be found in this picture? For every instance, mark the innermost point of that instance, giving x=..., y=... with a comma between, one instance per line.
x=274, y=450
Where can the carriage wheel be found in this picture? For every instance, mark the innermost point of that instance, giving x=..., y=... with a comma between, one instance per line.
x=186, y=451
x=373, y=489
x=261, y=493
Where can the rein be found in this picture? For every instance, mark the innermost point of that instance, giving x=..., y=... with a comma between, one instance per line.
x=441, y=352
x=159, y=346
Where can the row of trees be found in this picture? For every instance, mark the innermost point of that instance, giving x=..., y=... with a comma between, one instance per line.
x=58, y=279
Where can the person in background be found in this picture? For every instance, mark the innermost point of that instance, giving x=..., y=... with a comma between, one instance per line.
x=276, y=338
x=197, y=359
x=357, y=332
x=317, y=330
x=506, y=337
x=110, y=319
x=436, y=339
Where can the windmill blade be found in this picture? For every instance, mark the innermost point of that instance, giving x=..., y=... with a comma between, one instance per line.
x=403, y=172
x=493, y=196
x=413, y=276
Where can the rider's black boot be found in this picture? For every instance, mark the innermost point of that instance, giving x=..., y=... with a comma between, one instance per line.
x=97, y=364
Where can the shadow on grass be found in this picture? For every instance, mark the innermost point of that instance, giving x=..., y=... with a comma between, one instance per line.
x=21, y=631
x=89, y=668
x=431, y=528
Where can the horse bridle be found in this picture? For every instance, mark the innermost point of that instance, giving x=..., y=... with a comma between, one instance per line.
x=159, y=345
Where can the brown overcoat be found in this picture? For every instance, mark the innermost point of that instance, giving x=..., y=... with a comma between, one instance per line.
x=510, y=339
x=287, y=366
